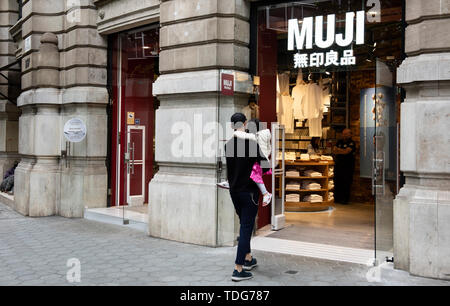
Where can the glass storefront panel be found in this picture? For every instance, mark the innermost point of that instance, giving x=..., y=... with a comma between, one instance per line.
x=347, y=53
x=385, y=158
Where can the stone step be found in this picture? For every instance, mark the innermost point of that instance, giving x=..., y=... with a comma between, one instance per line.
x=114, y=215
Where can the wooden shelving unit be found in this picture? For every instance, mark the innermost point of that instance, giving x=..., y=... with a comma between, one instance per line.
x=319, y=166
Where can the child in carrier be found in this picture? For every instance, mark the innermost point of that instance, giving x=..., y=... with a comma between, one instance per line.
x=263, y=138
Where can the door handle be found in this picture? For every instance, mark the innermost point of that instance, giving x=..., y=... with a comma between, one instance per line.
x=132, y=161
x=377, y=173
x=374, y=174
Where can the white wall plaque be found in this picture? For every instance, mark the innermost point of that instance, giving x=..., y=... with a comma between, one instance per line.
x=75, y=130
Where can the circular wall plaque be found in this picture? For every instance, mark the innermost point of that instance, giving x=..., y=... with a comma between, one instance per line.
x=75, y=130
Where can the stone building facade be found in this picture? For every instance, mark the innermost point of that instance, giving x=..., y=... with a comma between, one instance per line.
x=422, y=210
x=63, y=48
x=63, y=60
x=9, y=87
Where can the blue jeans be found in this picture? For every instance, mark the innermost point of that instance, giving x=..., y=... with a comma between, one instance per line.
x=246, y=206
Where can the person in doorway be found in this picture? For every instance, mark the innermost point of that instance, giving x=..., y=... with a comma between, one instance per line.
x=241, y=155
x=314, y=146
x=251, y=111
x=344, y=166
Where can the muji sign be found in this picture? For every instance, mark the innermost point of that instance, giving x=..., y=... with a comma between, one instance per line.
x=312, y=31
x=227, y=84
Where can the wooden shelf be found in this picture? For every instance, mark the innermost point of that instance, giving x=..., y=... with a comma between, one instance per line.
x=324, y=192
x=306, y=190
x=309, y=163
x=305, y=177
x=309, y=203
x=304, y=140
x=307, y=207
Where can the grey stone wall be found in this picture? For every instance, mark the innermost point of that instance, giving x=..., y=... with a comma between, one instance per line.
x=118, y=15
x=9, y=87
x=198, y=40
x=63, y=76
x=422, y=209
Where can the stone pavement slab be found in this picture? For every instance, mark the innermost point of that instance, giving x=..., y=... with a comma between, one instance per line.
x=36, y=251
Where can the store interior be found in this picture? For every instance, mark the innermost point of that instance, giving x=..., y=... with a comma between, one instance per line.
x=316, y=105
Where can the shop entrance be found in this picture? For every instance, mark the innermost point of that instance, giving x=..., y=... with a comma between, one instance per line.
x=327, y=72
x=134, y=69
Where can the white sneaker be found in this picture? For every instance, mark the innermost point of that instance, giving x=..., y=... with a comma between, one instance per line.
x=267, y=199
x=223, y=185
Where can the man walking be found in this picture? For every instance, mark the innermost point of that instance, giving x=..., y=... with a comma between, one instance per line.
x=241, y=154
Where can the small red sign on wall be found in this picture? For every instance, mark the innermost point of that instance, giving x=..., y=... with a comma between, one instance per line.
x=227, y=84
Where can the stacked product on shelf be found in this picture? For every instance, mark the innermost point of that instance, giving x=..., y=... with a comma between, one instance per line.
x=330, y=184
x=308, y=184
x=292, y=186
x=292, y=173
x=312, y=173
x=330, y=196
x=331, y=171
x=293, y=197
x=313, y=198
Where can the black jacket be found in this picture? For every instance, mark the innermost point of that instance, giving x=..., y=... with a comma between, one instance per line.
x=241, y=155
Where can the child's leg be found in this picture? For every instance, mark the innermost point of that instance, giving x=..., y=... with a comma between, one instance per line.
x=262, y=188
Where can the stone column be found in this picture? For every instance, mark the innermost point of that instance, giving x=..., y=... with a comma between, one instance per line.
x=64, y=76
x=37, y=176
x=84, y=182
x=9, y=87
x=422, y=209
x=198, y=39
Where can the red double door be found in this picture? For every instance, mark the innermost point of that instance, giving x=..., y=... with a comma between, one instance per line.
x=134, y=62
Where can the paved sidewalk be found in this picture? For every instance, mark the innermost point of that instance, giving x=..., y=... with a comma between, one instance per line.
x=35, y=251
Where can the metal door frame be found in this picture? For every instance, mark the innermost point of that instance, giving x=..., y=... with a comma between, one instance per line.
x=278, y=221
x=134, y=162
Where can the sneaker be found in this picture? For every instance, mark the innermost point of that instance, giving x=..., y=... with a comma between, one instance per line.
x=249, y=265
x=223, y=185
x=267, y=198
x=240, y=276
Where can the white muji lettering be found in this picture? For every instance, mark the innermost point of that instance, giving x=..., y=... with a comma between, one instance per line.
x=331, y=21
x=303, y=39
x=360, y=27
x=349, y=26
x=299, y=39
x=228, y=84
